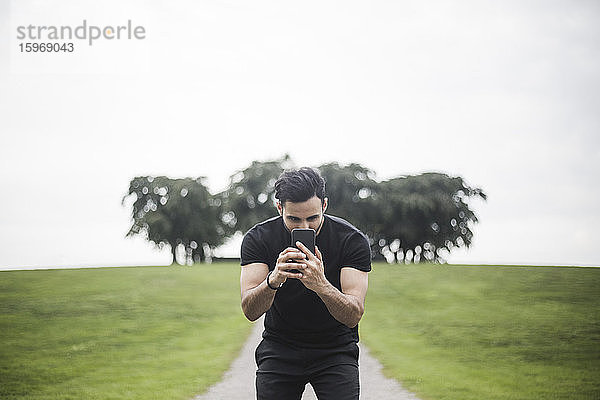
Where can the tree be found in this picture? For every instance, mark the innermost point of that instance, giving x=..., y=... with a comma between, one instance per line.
x=176, y=212
x=425, y=216
x=353, y=194
x=407, y=219
x=250, y=196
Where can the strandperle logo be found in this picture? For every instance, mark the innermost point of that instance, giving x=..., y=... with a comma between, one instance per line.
x=84, y=31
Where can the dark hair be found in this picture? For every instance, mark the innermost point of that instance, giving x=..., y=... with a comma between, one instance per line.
x=299, y=185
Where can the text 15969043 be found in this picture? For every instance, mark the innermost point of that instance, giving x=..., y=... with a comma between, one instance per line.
x=46, y=47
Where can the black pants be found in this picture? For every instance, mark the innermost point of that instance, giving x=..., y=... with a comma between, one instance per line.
x=283, y=372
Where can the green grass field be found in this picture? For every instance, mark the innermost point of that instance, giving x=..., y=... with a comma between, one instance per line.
x=118, y=333
x=445, y=332
x=461, y=333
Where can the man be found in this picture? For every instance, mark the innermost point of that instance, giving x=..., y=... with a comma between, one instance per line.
x=312, y=312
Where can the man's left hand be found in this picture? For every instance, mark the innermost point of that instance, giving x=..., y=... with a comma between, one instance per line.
x=313, y=272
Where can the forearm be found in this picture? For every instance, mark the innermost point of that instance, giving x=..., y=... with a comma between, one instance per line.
x=256, y=301
x=343, y=307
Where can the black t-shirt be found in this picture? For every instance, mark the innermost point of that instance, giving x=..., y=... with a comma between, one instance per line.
x=298, y=316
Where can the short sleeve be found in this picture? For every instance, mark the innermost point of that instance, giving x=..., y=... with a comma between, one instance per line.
x=357, y=253
x=253, y=251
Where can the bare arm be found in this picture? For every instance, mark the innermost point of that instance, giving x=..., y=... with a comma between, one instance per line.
x=257, y=296
x=347, y=305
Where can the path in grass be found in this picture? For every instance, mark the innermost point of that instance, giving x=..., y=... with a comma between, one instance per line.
x=238, y=381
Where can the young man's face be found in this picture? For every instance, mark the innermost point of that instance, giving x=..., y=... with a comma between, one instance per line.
x=307, y=214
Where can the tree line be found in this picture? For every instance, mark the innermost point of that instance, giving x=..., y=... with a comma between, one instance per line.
x=408, y=219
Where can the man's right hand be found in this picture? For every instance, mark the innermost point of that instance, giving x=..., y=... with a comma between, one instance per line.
x=284, y=264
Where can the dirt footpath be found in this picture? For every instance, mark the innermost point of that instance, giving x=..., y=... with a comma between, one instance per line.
x=238, y=381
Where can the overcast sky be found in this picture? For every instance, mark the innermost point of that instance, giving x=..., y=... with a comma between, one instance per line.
x=505, y=94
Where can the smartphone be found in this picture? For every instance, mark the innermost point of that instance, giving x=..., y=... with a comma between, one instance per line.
x=306, y=237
